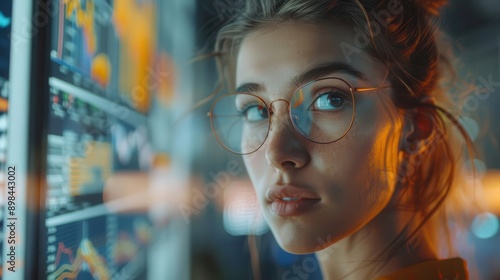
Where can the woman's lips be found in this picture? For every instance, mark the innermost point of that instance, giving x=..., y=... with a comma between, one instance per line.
x=290, y=200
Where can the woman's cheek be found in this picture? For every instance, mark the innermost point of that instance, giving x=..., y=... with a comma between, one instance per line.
x=257, y=167
x=365, y=167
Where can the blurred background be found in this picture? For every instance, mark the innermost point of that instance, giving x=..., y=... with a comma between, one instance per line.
x=118, y=177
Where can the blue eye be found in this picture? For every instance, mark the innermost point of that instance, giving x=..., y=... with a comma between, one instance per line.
x=331, y=100
x=255, y=113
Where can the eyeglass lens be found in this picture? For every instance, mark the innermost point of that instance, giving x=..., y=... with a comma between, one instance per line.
x=322, y=111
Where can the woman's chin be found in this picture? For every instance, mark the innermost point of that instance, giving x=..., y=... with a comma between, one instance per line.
x=297, y=249
x=296, y=240
x=298, y=245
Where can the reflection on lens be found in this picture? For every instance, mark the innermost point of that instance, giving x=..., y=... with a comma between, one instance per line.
x=240, y=122
x=323, y=111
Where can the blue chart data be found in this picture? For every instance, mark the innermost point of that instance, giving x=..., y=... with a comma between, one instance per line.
x=84, y=42
x=97, y=248
x=78, y=250
x=79, y=158
x=85, y=146
x=131, y=236
x=95, y=130
x=110, y=48
x=131, y=149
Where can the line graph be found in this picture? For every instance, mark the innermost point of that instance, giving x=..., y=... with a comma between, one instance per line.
x=78, y=250
x=86, y=256
x=61, y=249
x=96, y=248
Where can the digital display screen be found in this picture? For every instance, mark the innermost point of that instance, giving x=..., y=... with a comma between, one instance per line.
x=96, y=128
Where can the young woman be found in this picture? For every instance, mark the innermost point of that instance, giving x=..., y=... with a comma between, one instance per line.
x=347, y=133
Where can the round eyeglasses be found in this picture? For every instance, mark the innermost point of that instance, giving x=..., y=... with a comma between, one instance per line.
x=322, y=111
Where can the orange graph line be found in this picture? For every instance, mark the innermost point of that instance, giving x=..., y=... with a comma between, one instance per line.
x=61, y=249
x=85, y=253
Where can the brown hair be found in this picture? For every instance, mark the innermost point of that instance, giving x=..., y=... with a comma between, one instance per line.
x=403, y=35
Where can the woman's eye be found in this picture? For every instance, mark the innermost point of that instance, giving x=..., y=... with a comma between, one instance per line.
x=254, y=113
x=330, y=100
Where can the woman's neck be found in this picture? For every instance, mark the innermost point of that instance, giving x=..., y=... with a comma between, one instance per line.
x=365, y=254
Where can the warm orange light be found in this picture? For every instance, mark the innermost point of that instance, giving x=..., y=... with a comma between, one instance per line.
x=85, y=20
x=491, y=190
x=4, y=105
x=101, y=69
x=135, y=24
x=165, y=76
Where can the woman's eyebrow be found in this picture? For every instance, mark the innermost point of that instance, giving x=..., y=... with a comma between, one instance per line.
x=251, y=87
x=323, y=70
x=314, y=73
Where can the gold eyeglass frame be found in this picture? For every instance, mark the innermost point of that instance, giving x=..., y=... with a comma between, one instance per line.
x=270, y=110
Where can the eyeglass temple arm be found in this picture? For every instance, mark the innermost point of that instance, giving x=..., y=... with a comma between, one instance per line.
x=369, y=88
x=209, y=114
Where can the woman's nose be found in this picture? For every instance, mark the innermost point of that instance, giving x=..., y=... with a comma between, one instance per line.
x=285, y=148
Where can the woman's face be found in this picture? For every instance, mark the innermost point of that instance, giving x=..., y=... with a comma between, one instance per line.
x=311, y=193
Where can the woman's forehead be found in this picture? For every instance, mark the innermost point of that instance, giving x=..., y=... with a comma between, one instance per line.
x=288, y=49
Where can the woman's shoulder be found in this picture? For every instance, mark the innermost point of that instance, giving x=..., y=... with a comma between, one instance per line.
x=452, y=269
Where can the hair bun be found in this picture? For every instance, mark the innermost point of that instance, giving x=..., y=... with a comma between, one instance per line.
x=431, y=6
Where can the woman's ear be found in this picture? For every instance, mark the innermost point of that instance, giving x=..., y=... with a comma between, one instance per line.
x=418, y=130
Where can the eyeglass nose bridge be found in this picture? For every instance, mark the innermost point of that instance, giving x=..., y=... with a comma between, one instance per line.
x=281, y=99
x=271, y=111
